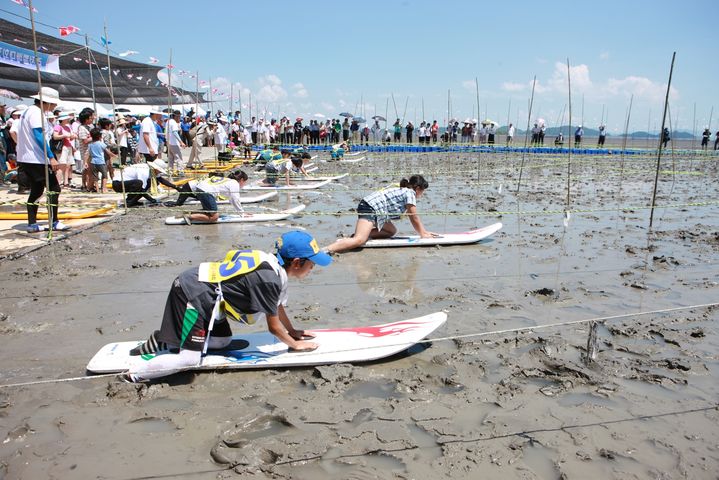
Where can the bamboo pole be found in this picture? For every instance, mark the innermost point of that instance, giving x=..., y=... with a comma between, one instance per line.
x=114, y=109
x=92, y=76
x=49, y=195
x=526, y=133
x=659, y=152
x=479, y=156
x=569, y=151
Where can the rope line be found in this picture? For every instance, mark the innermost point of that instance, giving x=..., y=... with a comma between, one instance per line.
x=402, y=344
x=530, y=213
x=524, y=434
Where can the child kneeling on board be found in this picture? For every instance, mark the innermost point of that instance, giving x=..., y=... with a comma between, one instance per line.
x=377, y=210
x=206, y=191
x=248, y=284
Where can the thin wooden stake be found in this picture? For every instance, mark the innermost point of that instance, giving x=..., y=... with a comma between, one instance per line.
x=659, y=150
x=526, y=134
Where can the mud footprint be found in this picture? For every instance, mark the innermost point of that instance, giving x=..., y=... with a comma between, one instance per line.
x=240, y=447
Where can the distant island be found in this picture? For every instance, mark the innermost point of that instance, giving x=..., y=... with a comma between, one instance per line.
x=593, y=132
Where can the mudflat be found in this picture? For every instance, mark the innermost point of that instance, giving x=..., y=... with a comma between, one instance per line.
x=474, y=402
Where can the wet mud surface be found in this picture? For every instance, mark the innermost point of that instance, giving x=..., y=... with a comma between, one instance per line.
x=514, y=405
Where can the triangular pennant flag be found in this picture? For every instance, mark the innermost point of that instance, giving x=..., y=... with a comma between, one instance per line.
x=170, y=66
x=115, y=72
x=70, y=29
x=128, y=52
x=105, y=42
x=153, y=60
x=24, y=4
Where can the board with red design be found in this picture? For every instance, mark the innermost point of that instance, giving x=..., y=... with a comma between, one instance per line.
x=263, y=350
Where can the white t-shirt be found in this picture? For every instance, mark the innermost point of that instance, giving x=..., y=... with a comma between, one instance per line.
x=122, y=136
x=28, y=151
x=147, y=126
x=510, y=133
x=139, y=171
x=173, y=132
x=220, y=136
x=226, y=187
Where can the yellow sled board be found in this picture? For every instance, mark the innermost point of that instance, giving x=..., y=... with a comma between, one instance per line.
x=61, y=216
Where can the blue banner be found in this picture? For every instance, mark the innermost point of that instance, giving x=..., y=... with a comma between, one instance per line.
x=24, y=58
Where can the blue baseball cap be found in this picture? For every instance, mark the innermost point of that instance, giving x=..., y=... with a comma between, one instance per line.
x=300, y=245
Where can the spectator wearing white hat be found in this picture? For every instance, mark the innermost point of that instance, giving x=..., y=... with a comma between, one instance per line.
x=198, y=133
x=221, y=135
x=34, y=157
x=148, y=143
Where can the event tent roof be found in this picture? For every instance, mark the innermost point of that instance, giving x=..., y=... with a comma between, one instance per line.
x=132, y=82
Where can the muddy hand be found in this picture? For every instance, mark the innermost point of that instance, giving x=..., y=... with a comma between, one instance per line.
x=303, y=347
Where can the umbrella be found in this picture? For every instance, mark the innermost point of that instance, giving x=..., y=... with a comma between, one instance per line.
x=8, y=94
x=359, y=120
x=299, y=119
x=489, y=122
x=319, y=115
x=122, y=110
x=541, y=122
x=346, y=114
x=379, y=118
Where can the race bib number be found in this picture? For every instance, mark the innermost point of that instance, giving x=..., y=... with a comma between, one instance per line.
x=236, y=262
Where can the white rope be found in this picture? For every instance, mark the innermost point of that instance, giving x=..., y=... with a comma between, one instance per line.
x=428, y=340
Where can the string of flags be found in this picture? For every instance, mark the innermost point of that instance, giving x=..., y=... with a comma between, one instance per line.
x=23, y=3
x=68, y=30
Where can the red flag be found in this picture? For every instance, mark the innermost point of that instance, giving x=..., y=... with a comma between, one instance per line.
x=170, y=66
x=70, y=29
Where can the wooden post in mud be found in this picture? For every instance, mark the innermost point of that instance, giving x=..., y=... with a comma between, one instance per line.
x=569, y=152
x=526, y=133
x=626, y=133
x=479, y=156
x=592, y=346
x=659, y=150
x=50, y=197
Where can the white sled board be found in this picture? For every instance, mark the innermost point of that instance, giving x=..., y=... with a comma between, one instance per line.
x=264, y=350
x=321, y=179
x=472, y=236
x=351, y=160
x=244, y=198
x=246, y=217
x=282, y=186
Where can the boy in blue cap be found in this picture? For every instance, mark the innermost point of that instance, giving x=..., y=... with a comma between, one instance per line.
x=246, y=285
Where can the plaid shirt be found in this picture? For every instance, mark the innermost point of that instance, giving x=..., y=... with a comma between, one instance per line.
x=390, y=203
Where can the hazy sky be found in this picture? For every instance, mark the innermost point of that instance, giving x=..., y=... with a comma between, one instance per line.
x=324, y=57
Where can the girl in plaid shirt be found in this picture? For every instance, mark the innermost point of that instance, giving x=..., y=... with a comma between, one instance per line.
x=377, y=210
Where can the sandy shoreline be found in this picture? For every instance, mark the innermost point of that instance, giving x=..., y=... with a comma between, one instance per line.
x=500, y=406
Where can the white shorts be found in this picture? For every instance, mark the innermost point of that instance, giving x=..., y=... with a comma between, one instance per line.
x=66, y=156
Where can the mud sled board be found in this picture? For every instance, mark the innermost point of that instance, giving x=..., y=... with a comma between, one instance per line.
x=472, y=236
x=263, y=350
x=283, y=186
x=241, y=217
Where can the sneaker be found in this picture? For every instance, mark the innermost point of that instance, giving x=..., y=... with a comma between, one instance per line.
x=186, y=216
x=59, y=226
x=128, y=378
x=34, y=228
x=152, y=345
